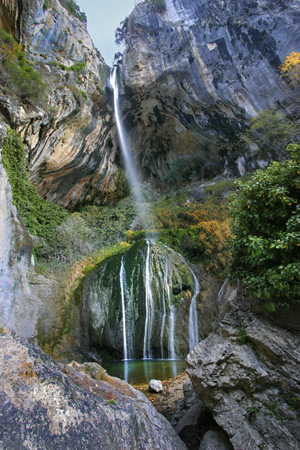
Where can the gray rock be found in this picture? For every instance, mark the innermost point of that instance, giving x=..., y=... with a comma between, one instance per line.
x=250, y=379
x=215, y=440
x=47, y=406
x=189, y=425
x=155, y=386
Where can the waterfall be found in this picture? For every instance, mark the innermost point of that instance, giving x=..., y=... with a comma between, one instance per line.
x=147, y=354
x=193, y=319
x=132, y=173
x=122, y=272
x=164, y=310
x=172, y=354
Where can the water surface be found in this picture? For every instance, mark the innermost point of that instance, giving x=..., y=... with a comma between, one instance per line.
x=138, y=372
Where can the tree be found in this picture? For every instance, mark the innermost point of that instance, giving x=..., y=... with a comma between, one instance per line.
x=290, y=70
x=265, y=242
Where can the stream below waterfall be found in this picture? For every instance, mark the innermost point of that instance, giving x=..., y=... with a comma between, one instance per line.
x=139, y=372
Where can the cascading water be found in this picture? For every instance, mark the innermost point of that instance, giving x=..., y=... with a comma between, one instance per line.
x=193, y=319
x=164, y=310
x=149, y=309
x=122, y=273
x=172, y=354
x=132, y=172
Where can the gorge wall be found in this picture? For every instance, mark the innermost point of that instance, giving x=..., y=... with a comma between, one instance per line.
x=193, y=74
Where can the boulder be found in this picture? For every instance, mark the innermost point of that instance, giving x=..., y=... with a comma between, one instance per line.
x=155, y=386
x=215, y=440
x=45, y=405
x=247, y=373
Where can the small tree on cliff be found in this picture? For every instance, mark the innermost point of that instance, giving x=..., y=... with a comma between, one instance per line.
x=265, y=241
x=290, y=70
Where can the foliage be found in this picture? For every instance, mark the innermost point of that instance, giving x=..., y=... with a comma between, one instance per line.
x=121, y=32
x=40, y=217
x=182, y=171
x=266, y=232
x=46, y=4
x=271, y=130
x=290, y=70
x=197, y=230
x=158, y=5
x=16, y=73
x=74, y=9
x=85, y=233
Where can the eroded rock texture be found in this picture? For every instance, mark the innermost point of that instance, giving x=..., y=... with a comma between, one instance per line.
x=71, y=140
x=246, y=372
x=48, y=406
x=196, y=72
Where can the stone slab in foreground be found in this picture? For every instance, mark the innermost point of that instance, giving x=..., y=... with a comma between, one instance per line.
x=45, y=405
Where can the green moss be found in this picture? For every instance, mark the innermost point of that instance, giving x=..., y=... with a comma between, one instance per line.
x=40, y=217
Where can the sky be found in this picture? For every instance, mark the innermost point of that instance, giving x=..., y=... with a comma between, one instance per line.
x=103, y=17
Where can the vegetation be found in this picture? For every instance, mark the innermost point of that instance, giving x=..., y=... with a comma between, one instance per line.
x=290, y=70
x=16, y=72
x=198, y=230
x=121, y=32
x=158, y=5
x=40, y=217
x=266, y=232
x=74, y=9
x=272, y=132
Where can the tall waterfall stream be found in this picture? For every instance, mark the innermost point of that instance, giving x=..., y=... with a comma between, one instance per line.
x=150, y=312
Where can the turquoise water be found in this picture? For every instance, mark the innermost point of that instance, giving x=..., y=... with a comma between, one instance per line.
x=138, y=372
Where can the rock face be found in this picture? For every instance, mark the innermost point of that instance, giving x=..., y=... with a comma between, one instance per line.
x=24, y=296
x=149, y=286
x=193, y=74
x=48, y=406
x=246, y=372
x=71, y=142
x=196, y=71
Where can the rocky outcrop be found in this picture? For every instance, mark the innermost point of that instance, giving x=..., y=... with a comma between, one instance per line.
x=25, y=296
x=71, y=141
x=246, y=372
x=195, y=72
x=48, y=406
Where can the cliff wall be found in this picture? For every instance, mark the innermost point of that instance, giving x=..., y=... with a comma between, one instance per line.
x=197, y=71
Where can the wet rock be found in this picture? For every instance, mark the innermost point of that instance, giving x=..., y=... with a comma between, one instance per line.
x=48, y=406
x=215, y=440
x=155, y=386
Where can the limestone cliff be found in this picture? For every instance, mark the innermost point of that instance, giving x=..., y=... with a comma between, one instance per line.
x=196, y=71
x=71, y=141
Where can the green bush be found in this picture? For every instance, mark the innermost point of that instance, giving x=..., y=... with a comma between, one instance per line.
x=40, y=217
x=74, y=9
x=158, y=5
x=272, y=132
x=17, y=74
x=265, y=241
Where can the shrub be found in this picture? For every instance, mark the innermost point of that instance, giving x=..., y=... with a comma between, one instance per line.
x=272, y=131
x=16, y=72
x=40, y=217
x=158, y=5
x=121, y=32
x=74, y=9
x=266, y=232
